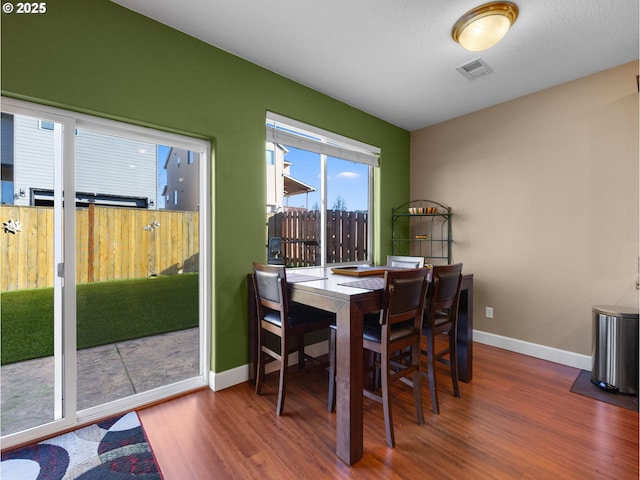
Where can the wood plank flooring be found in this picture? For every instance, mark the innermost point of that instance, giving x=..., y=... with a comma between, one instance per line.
x=516, y=419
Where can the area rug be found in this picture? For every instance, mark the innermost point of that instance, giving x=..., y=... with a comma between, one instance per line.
x=109, y=450
x=583, y=386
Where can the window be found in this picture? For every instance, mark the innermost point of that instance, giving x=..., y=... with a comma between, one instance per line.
x=7, y=192
x=46, y=125
x=6, y=160
x=319, y=194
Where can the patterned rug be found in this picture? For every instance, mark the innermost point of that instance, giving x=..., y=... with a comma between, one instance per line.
x=112, y=449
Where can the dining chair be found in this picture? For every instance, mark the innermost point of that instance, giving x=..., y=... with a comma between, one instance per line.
x=393, y=336
x=405, y=261
x=441, y=315
x=285, y=320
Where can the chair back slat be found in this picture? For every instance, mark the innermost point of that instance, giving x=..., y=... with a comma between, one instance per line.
x=404, y=295
x=406, y=298
x=445, y=286
x=402, y=261
x=269, y=286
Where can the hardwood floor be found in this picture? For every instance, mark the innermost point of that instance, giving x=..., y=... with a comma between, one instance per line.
x=516, y=419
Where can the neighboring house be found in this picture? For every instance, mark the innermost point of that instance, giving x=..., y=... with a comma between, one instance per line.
x=6, y=159
x=280, y=183
x=110, y=170
x=182, y=191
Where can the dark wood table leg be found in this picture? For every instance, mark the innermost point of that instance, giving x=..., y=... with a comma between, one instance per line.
x=464, y=345
x=349, y=364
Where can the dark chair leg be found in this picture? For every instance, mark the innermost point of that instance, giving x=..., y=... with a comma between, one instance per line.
x=417, y=393
x=373, y=372
x=282, y=384
x=453, y=363
x=260, y=366
x=432, y=374
x=376, y=372
x=259, y=374
x=331, y=400
x=386, y=403
x=301, y=358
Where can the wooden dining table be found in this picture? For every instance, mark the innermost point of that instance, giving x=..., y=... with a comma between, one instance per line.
x=350, y=297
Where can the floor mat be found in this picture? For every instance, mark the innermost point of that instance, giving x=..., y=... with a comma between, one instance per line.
x=112, y=449
x=583, y=386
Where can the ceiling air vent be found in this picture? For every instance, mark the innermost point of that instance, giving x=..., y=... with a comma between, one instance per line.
x=475, y=69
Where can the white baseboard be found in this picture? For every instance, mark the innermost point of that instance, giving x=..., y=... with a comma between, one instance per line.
x=229, y=378
x=555, y=355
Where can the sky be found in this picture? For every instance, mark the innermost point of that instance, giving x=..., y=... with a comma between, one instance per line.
x=346, y=179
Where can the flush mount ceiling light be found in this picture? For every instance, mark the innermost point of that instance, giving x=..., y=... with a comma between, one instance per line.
x=484, y=26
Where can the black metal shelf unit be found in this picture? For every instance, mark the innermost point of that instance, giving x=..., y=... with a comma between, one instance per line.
x=422, y=228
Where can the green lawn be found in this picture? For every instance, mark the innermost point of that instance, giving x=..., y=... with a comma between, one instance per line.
x=107, y=312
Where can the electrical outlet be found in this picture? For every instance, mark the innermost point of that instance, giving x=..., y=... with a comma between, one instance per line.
x=488, y=312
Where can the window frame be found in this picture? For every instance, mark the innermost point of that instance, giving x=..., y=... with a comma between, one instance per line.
x=289, y=132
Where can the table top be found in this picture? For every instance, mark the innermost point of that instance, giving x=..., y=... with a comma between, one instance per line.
x=328, y=282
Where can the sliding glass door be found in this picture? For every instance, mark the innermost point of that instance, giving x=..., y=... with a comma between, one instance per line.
x=104, y=288
x=30, y=287
x=137, y=269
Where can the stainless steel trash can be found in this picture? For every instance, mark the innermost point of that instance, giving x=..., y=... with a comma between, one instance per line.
x=615, y=348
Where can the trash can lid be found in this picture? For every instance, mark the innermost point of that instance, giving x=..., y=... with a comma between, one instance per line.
x=616, y=311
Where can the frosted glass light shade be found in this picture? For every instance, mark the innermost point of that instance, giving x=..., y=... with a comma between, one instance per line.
x=484, y=26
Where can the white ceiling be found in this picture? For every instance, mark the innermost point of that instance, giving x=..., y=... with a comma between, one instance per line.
x=395, y=59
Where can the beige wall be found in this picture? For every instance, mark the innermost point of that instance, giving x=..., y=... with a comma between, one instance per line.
x=544, y=191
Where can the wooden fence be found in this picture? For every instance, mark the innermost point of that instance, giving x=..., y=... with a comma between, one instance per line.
x=300, y=233
x=112, y=244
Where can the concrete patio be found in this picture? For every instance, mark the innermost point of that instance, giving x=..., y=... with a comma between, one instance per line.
x=105, y=373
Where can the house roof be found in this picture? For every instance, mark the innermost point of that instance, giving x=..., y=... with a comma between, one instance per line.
x=295, y=187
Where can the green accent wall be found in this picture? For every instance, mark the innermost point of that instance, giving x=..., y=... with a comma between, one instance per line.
x=99, y=58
